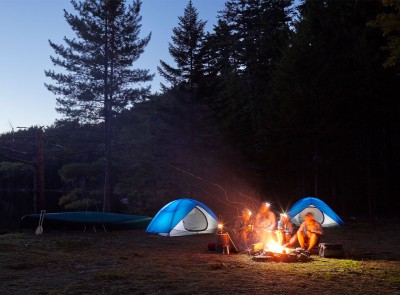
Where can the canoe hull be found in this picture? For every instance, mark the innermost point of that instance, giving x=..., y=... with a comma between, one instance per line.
x=83, y=218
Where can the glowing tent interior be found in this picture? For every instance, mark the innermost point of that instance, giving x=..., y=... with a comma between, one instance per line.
x=183, y=217
x=322, y=212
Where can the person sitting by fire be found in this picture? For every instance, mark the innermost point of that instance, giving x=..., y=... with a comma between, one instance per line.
x=285, y=229
x=243, y=232
x=309, y=233
x=266, y=223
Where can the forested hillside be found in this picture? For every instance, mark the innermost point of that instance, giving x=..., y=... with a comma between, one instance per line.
x=279, y=101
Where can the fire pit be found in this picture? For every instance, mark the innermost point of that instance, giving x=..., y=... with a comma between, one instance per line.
x=273, y=252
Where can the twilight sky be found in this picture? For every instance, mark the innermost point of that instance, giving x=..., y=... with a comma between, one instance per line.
x=27, y=25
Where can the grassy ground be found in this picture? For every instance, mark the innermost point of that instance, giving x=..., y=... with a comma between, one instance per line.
x=131, y=262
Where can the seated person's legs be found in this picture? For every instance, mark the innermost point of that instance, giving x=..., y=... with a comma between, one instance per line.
x=287, y=238
x=292, y=242
x=281, y=237
x=313, y=239
x=243, y=240
x=301, y=237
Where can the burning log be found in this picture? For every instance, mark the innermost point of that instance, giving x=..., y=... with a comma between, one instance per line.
x=274, y=252
x=293, y=256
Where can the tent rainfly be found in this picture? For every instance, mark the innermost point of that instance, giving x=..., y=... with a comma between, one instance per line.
x=322, y=212
x=183, y=217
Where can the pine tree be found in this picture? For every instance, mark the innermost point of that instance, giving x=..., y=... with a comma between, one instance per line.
x=333, y=117
x=97, y=80
x=186, y=51
x=185, y=77
x=247, y=44
x=389, y=23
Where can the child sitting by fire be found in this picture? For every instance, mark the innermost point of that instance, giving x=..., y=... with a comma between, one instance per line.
x=285, y=229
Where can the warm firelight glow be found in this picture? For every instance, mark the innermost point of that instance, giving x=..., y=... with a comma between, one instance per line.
x=250, y=213
x=220, y=227
x=273, y=246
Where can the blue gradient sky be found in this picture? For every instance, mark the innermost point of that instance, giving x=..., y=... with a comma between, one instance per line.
x=27, y=25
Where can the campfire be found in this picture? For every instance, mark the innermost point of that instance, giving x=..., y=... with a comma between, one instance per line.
x=272, y=251
x=275, y=247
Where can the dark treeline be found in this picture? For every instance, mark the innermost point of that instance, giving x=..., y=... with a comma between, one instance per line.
x=278, y=102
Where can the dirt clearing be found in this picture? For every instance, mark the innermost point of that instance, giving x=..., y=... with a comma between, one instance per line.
x=132, y=262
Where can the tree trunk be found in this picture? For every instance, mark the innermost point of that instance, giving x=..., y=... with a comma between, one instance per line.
x=107, y=124
x=192, y=122
x=107, y=164
x=39, y=194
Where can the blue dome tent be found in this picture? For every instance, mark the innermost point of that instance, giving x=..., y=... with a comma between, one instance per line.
x=322, y=212
x=183, y=217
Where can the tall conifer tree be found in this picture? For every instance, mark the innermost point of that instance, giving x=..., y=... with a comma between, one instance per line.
x=186, y=51
x=98, y=80
x=333, y=103
x=247, y=44
x=184, y=78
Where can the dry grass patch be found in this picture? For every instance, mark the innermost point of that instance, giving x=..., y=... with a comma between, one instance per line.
x=131, y=262
x=113, y=274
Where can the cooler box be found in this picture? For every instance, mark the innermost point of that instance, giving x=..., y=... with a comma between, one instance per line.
x=330, y=250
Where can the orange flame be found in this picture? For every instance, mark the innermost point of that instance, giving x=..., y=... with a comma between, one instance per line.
x=273, y=246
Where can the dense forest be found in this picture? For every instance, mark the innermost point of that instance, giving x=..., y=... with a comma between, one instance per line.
x=281, y=100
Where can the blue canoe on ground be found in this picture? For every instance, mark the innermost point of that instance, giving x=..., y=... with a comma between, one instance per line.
x=86, y=218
